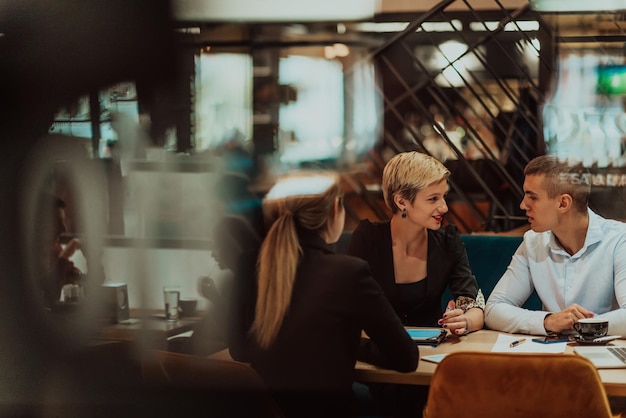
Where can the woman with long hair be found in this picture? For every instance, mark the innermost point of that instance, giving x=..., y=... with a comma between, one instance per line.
x=312, y=305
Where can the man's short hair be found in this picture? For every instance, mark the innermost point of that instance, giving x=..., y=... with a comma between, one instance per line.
x=562, y=178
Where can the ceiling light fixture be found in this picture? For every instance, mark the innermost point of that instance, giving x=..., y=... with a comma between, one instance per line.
x=274, y=10
x=577, y=5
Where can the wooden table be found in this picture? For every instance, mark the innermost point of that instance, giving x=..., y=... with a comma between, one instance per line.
x=149, y=326
x=614, y=380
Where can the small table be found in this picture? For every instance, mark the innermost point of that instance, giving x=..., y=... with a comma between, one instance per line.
x=149, y=327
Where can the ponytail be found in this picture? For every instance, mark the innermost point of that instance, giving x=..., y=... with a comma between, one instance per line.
x=277, y=265
x=303, y=200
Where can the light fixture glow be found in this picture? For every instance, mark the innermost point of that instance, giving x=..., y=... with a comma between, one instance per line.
x=520, y=25
x=451, y=51
x=336, y=50
x=189, y=31
x=451, y=26
x=273, y=10
x=341, y=50
x=577, y=5
x=329, y=52
x=483, y=26
x=381, y=26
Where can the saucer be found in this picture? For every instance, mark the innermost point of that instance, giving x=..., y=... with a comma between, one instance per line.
x=579, y=340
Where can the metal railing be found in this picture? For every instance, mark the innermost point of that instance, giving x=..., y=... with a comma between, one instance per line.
x=498, y=114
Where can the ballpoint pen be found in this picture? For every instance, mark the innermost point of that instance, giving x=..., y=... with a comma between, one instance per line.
x=517, y=342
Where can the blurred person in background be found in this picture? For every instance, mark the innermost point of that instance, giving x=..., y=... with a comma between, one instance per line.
x=233, y=236
x=57, y=268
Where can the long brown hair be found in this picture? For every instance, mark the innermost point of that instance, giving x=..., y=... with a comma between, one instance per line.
x=305, y=199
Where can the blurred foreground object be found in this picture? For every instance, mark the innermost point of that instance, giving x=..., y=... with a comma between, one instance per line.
x=52, y=53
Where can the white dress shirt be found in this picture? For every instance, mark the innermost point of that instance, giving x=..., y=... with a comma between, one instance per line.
x=594, y=278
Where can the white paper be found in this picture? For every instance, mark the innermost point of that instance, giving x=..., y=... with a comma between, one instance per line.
x=434, y=358
x=502, y=345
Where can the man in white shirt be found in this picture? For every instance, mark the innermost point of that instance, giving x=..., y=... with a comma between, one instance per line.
x=572, y=257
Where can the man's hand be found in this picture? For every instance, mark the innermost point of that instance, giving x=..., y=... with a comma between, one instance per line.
x=564, y=320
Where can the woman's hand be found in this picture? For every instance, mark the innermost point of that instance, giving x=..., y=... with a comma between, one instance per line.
x=454, y=320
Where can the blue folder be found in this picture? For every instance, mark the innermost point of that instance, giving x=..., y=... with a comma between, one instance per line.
x=427, y=336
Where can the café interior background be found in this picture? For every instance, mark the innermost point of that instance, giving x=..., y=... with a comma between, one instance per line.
x=134, y=111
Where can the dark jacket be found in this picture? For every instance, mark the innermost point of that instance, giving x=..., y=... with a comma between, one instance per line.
x=447, y=266
x=334, y=299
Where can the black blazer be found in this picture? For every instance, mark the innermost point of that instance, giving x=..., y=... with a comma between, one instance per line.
x=334, y=299
x=447, y=266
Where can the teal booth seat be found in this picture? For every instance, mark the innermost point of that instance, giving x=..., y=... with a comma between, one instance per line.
x=489, y=256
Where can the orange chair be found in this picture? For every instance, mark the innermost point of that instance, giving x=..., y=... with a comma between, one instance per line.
x=222, y=386
x=496, y=385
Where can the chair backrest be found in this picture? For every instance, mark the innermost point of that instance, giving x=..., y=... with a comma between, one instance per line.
x=490, y=385
x=222, y=385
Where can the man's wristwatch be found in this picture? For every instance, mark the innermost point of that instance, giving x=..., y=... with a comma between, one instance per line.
x=544, y=324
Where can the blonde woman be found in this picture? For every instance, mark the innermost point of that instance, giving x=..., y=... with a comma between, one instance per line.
x=312, y=304
x=414, y=258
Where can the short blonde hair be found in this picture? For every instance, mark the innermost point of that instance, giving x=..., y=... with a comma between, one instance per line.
x=409, y=172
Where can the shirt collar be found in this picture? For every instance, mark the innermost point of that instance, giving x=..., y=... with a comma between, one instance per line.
x=594, y=235
x=594, y=230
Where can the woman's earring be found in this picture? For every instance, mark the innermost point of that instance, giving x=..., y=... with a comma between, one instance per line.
x=404, y=213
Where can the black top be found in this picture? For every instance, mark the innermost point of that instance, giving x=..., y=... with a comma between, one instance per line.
x=447, y=265
x=313, y=357
x=411, y=294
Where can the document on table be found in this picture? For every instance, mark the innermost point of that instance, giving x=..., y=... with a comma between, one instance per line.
x=504, y=342
x=434, y=358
